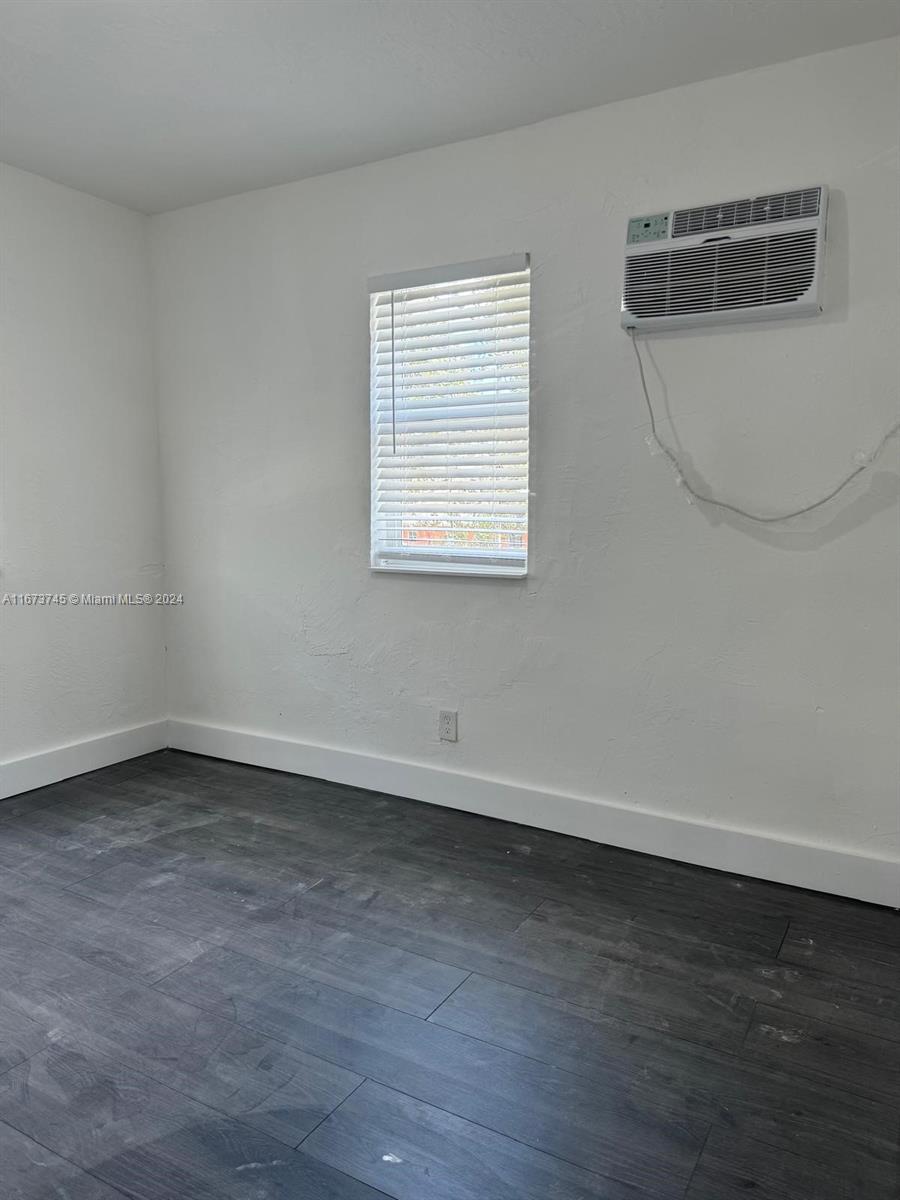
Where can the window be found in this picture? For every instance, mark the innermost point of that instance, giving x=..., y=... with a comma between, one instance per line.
x=449, y=397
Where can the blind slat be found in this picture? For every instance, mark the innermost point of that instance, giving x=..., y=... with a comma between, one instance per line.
x=446, y=408
x=509, y=380
x=457, y=357
x=421, y=324
x=490, y=293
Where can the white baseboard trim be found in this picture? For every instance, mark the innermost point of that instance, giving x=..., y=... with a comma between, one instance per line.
x=62, y=762
x=801, y=864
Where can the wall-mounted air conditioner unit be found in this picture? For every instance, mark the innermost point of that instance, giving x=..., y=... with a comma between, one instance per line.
x=754, y=259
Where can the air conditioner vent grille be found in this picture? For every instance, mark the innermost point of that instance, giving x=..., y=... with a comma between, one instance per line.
x=721, y=276
x=760, y=210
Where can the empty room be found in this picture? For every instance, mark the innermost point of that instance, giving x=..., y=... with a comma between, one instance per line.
x=449, y=599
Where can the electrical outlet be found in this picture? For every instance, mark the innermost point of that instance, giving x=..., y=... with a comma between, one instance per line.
x=447, y=727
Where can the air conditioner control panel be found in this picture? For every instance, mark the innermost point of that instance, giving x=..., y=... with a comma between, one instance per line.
x=648, y=229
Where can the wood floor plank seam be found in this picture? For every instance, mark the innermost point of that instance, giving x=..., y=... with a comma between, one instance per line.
x=803, y=953
x=544, y=1062
x=130, y=1068
x=11, y=815
x=602, y=959
x=787, y=928
x=595, y=955
x=675, y=937
x=27, y=1058
x=571, y=1004
x=220, y=1113
x=64, y=1158
x=872, y=937
x=174, y=928
x=632, y=1023
x=365, y=1079
x=687, y=1186
x=540, y=904
x=759, y=1140
x=154, y=983
x=120, y=974
x=75, y=1037
x=336, y=1063
x=725, y=1053
x=436, y=905
x=813, y=1073
x=801, y=1016
x=433, y=958
x=490, y=1129
x=447, y=997
x=747, y=1027
x=748, y=1167
x=427, y=1100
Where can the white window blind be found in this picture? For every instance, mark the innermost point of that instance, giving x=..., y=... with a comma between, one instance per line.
x=449, y=402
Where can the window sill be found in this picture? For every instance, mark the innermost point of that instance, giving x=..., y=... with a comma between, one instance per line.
x=470, y=570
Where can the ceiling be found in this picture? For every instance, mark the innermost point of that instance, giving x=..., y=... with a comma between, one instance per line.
x=157, y=104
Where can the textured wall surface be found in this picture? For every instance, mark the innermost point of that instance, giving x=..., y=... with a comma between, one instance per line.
x=658, y=654
x=79, y=470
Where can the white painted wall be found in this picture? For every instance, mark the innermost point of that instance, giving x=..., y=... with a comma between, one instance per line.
x=79, y=470
x=659, y=656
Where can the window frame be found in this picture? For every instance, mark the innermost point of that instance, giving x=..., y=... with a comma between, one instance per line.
x=452, y=561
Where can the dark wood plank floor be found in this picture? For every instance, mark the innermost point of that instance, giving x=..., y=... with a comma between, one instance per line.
x=218, y=981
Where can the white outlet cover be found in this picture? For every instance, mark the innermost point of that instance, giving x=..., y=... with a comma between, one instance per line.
x=447, y=725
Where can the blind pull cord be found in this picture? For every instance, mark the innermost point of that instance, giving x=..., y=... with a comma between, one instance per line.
x=393, y=396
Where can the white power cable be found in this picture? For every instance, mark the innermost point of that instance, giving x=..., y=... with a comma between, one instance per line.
x=735, y=508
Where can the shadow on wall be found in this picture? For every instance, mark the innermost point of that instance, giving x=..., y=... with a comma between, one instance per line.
x=883, y=492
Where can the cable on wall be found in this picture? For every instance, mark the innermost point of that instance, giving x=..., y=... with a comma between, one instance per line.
x=735, y=508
